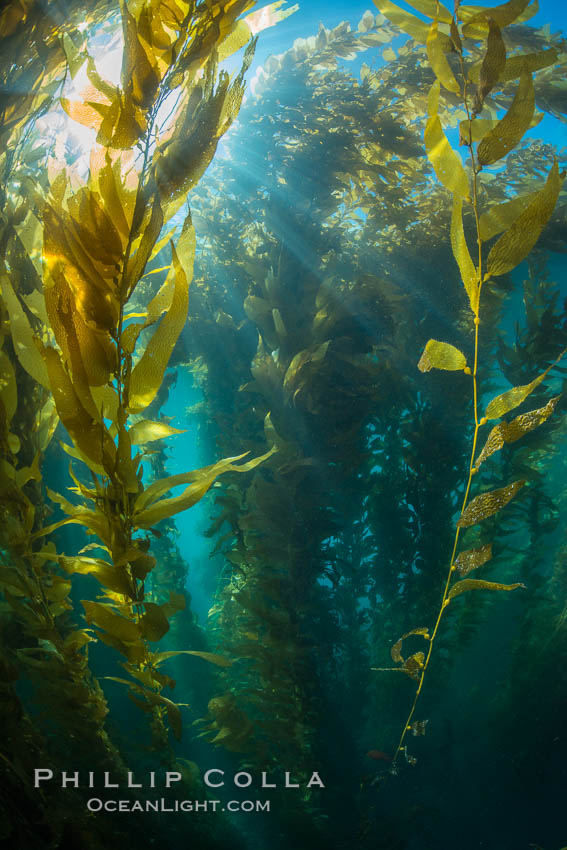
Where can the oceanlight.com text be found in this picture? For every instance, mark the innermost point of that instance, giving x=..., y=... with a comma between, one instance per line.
x=95, y=804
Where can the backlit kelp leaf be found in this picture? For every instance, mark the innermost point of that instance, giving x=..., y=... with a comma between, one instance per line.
x=438, y=60
x=474, y=130
x=471, y=559
x=105, y=617
x=313, y=354
x=476, y=25
x=492, y=64
x=469, y=272
x=213, y=657
x=432, y=9
x=509, y=432
x=8, y=388
x=109, y=575
x=411, y=25
x=89, y=434
x=515, y=245
x=203, y=481
x=414, y=665
x=516, y=65
x=138, y=75
x=22, y=335
x=146, y=431
x=502, y=216
x=153, y=623
x=487, y=504
x=94, y=520
x=396, y=651
x=148, y=372
x=446, y=163
x=477, y=584
x=502, y=404
x=441, y=355
x=508, y=132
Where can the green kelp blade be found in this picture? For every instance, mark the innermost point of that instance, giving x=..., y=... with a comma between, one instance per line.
x=471, y=559
x=469, y=272
x=212, y=657
x=487, y=504
x=509, y=131
x=441, y=355
x=516, y=243
x=446, y=163
x=509, y=432
x=477, y=584
x=512, y=398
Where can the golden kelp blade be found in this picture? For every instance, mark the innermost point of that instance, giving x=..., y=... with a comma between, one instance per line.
x=213, y=657
x=515, y=245
x=163, y=485
x=105, y=617
x=501, y=216
x=145, y=431
x=471, y=559
x=530, y=62
x=148, y=373
x=8, y=387
x=441, y=355
x=446, y=163
x=508, y=132
x=502, y=404
x=164, y=508
x=396, y=653
x=476, y=25
x=487, y=504
x=477, y=584
x=509, y=432
x=469, y=272
x=492, y=64
x=23, y=335
x=438, y=60
x=432, y=9
x=408, y=23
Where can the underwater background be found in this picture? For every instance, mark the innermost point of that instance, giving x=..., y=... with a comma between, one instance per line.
x=283, y=341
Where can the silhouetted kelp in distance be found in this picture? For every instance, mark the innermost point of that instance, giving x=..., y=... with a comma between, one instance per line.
x=520, y=220
x=297, y=272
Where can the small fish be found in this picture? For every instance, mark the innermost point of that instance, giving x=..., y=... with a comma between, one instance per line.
x=378, y=755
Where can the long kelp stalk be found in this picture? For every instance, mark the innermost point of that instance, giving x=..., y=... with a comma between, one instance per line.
x=520, y=221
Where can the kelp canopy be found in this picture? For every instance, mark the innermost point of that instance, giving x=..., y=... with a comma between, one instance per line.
x=355, y=234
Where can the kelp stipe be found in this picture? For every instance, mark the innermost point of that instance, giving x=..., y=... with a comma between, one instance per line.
x=518, y=224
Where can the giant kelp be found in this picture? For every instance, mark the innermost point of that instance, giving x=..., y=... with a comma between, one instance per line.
x=518, y=223
x=74, y=252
